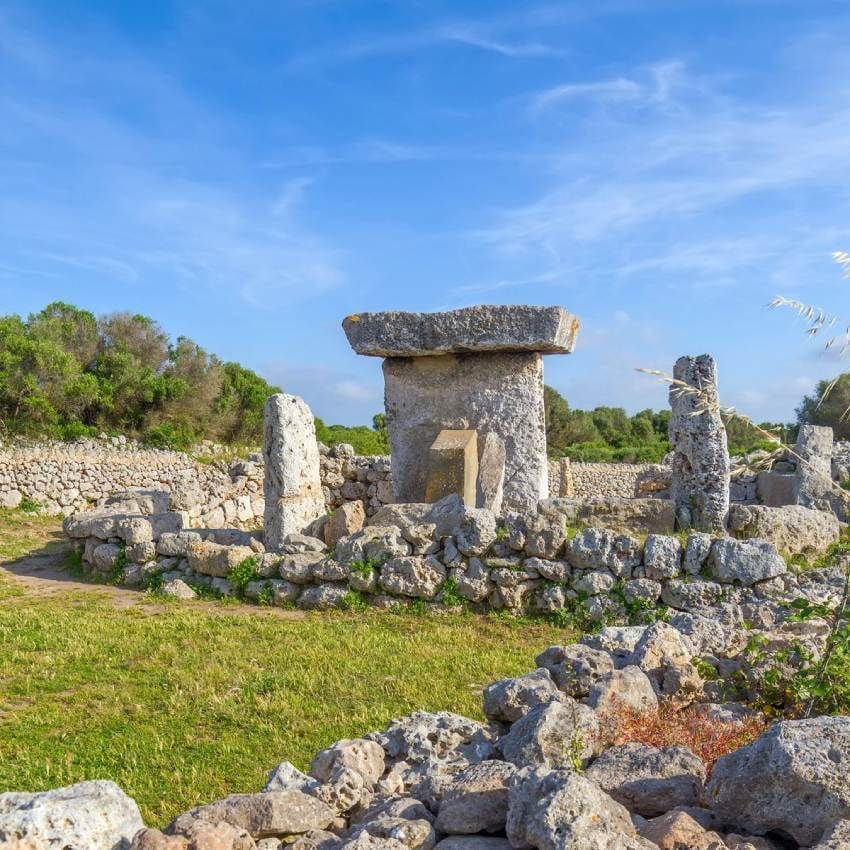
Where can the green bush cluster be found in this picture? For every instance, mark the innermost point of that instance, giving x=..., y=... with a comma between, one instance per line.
x=65, y=373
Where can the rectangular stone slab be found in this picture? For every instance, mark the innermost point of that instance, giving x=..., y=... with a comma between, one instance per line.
x=484, y=328
x=453, y=466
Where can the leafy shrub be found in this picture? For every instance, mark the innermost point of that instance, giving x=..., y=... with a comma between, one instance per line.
x=29, y=506
x=243, y=573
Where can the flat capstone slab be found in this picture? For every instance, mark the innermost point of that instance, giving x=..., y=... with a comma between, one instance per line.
x=484, y=328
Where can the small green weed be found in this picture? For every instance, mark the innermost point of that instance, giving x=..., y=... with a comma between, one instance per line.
x=29, y=506
x=448, y=594
x=244, y=572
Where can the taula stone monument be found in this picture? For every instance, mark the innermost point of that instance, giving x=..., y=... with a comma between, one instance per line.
x=700, y=465
x=293, y=486
x=476, y=369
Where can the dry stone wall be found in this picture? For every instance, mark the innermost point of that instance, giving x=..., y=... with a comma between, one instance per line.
x=68, y=477
x=607, y=480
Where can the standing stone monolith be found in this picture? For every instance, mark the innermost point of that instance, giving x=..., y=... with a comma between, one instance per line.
x=814, y=467
x=479, y=368
x=700, y=464
x=293, y=487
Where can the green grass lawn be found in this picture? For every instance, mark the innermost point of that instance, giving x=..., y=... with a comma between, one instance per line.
x=182, y=703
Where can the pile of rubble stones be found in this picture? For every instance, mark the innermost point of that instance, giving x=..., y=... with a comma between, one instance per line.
x=543, y=771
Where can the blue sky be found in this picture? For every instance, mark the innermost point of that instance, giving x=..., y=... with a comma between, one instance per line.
x=250, y=173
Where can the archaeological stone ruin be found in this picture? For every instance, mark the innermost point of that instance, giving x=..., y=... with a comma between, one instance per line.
x=477, y=369
x=474, y=519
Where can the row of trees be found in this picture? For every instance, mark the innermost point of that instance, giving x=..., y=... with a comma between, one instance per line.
x=65, y=373
x=609, y=434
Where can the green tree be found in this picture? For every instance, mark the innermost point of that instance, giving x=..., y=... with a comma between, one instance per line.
x=831, y=410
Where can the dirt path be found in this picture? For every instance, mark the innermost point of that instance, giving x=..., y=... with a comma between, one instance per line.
x=43, y=575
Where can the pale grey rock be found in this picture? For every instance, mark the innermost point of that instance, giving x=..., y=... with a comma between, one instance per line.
x=696, y=552
x=814, y=467
x=177, y=588
x=575, y=668
x=627, y=515
x=134, y=530
x=550, y=599
x=561, y=810
x=500, y=393
x=364, y=756
x=215, y=559
x=263, y=815
x=375, y=543
x=296, y=543
x=475, y=842
x=299, y=568
x=662, y=557
x=545, y=534
x=597, y=549
x=292, y=487
x=176, y=544
x=552, y=570
x=686, y=595
x=629, y=687
x=348, y=518
x=794, y=779
x=700, y=459
x=423, y=736
x=476, y=531
x=287, y=777
x=661, y=643
x=510, y=699
x=792, y=529
x=744, y=562
x=648, y=780
x=477, y=799
x=557, y=735
x=593, y=583
x=473, y=580
x=322, y=597
x=412, y=576
x=95, y=815
x=284, y=592
x=483, y=328
x=618, y=641
x=642, y=591
x=105, y=556
x=392, y=833
x=491, y=473
x=329, y=570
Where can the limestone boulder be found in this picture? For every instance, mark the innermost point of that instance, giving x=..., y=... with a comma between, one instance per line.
x=629, y=688
x=558, y=735
x=599, y=549
x=95, y=815
x=744, y=562
x=792, y=529
x=322, y=597
x=476, y=800
x=214, y=559
x=412, y=576
x=559, y=809
x=268, y=814
x=677, y=830
x=628, y=516
x=359, y=754
x=375, y=543
x=649, y=781
x=510, y=699
x=575, y=669
x=347, y=519
x=794, y=779
x=177, y=588
x=662, y=557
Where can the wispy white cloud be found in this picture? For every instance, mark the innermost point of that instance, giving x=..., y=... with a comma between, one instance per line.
x=473, y=37
x=606, y=90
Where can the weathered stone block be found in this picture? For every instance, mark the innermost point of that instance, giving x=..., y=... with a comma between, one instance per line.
x=500, y=393
x=453, y=466
x=484, y=328
x=293, y=486
x=700, y=465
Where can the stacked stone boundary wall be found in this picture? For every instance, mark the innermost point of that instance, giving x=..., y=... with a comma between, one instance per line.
x=607, y=480
x=70, y=477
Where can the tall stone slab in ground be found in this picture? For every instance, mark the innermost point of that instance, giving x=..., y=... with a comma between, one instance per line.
x=453, y=467
x=479, y=368
x=700, y=465
x=293, y=487
x=814, y=487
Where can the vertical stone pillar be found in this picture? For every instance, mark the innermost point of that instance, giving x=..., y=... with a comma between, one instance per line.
x=700, y=466
x=293, y=487
x=814, y=467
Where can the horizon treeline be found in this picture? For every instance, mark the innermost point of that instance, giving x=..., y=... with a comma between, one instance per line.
x=65, y=373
